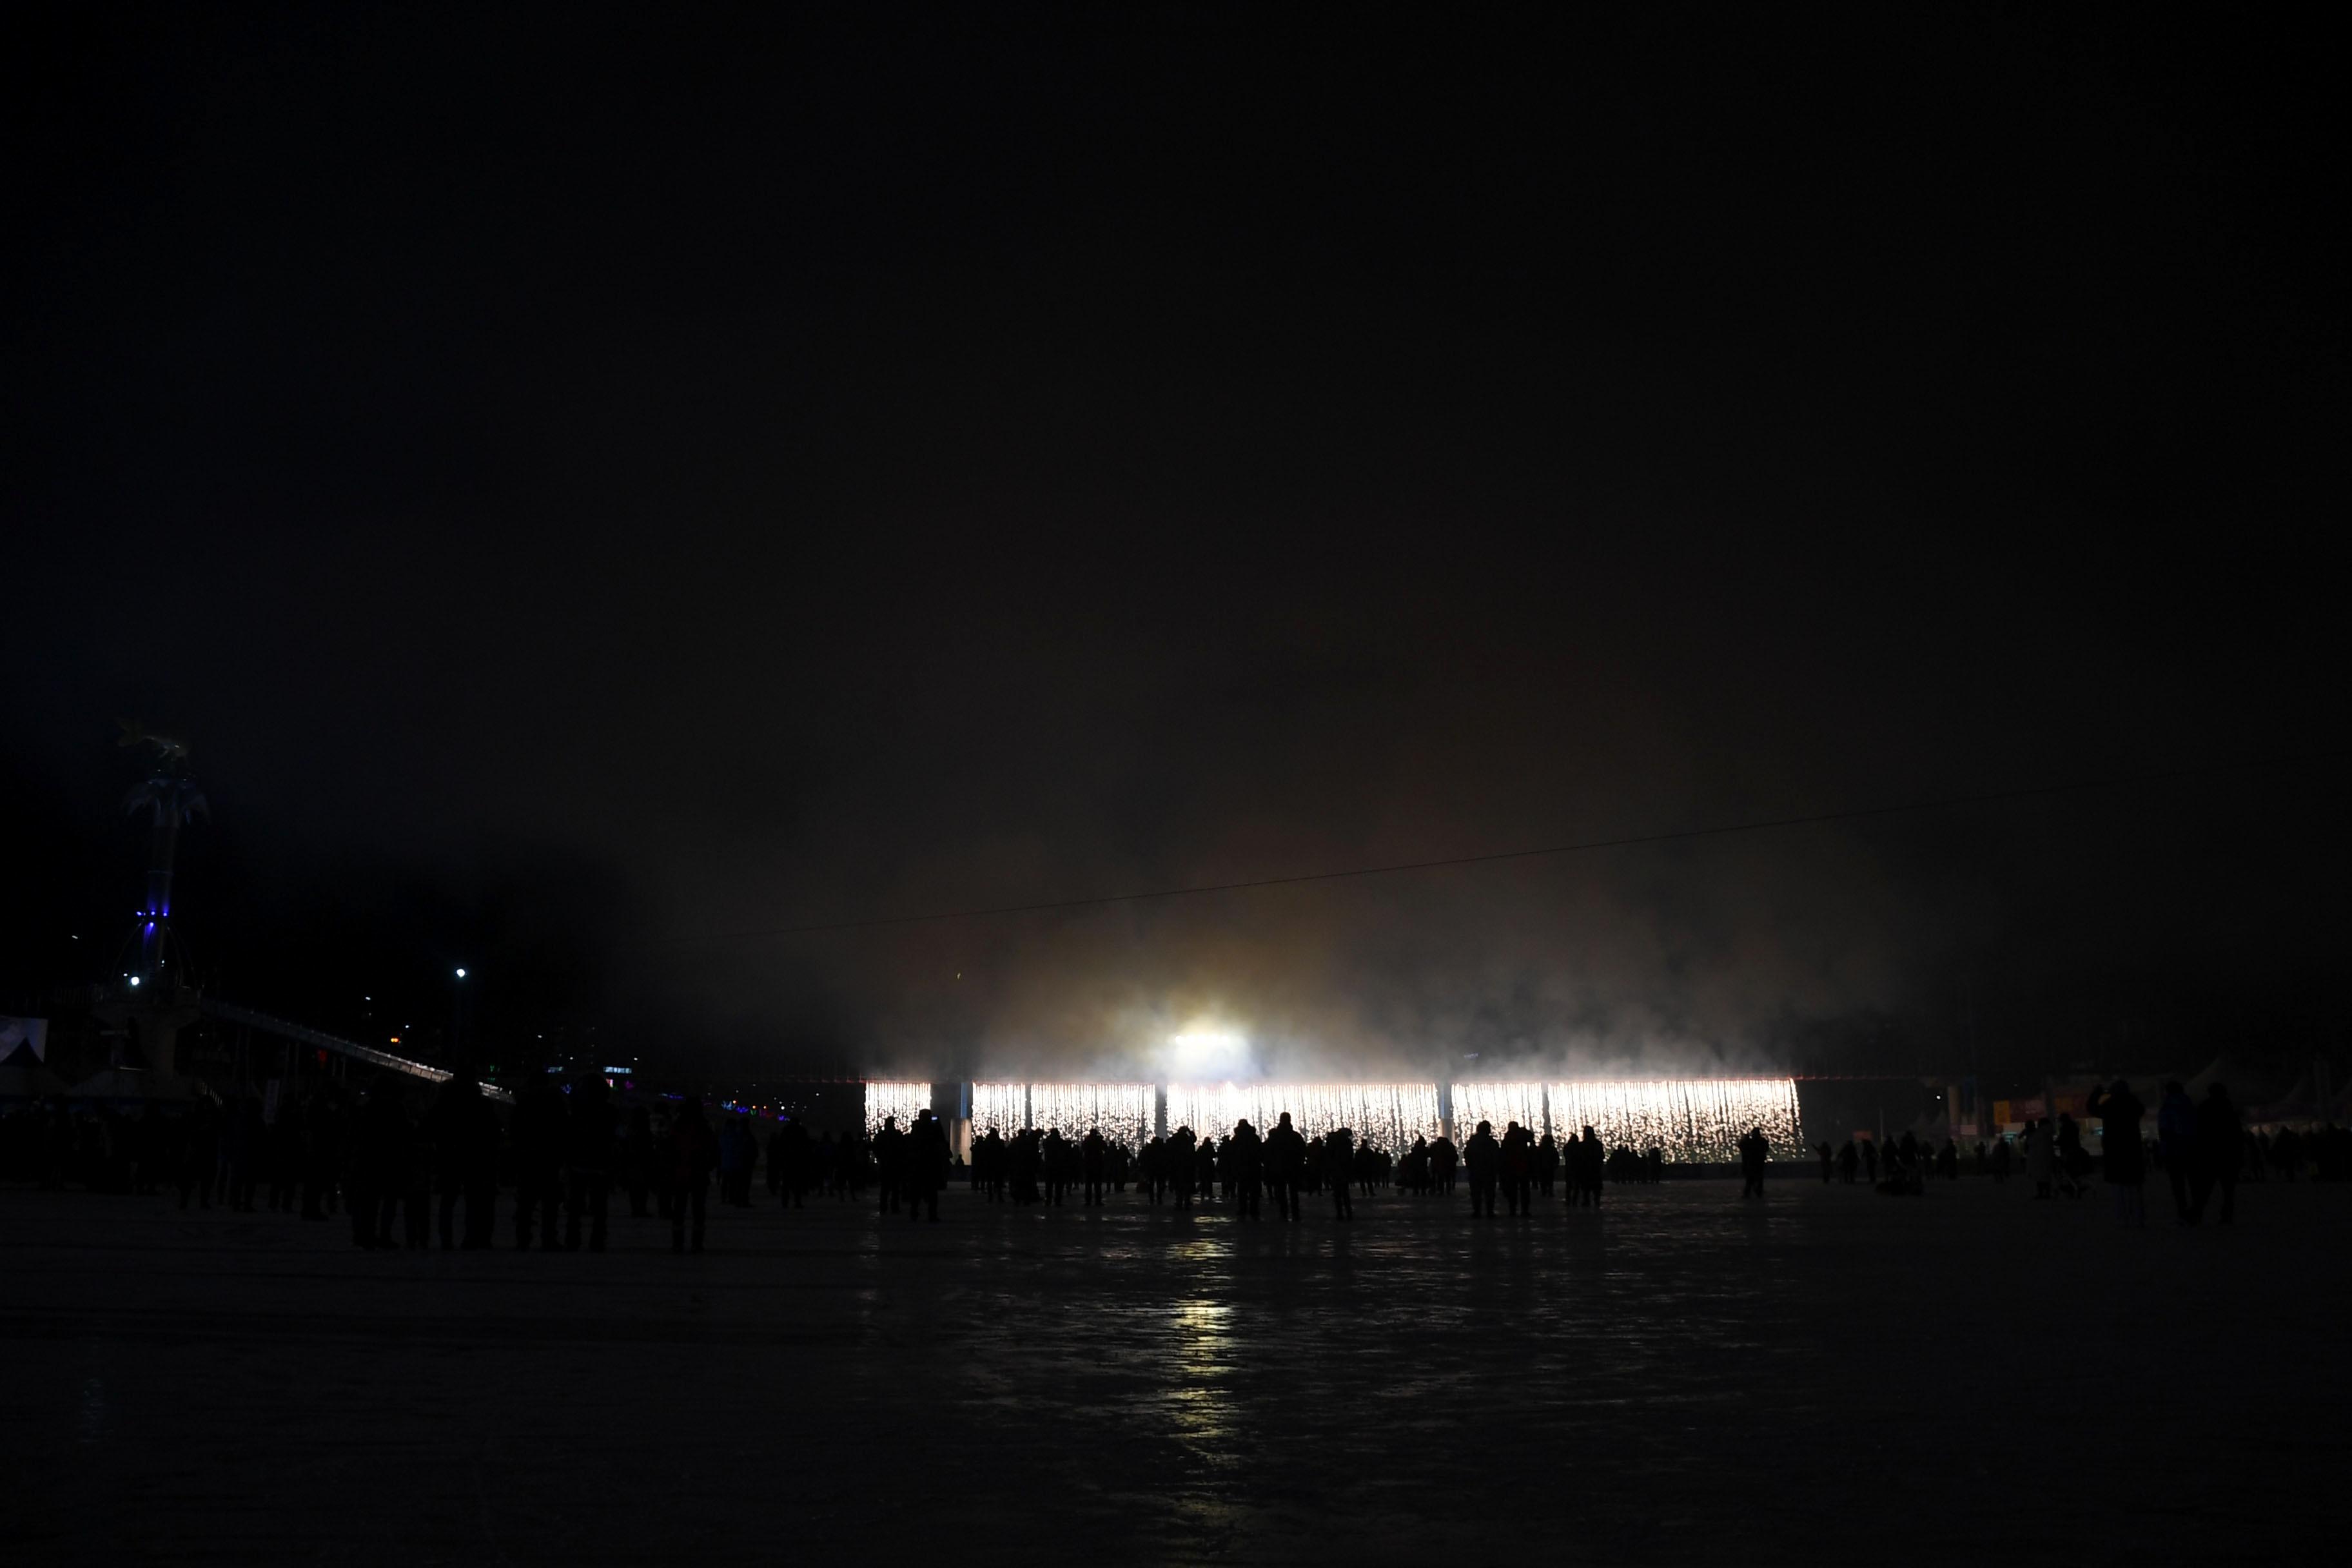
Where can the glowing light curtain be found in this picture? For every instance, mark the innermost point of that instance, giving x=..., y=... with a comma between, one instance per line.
x=1500, y=1103
x=899, y=1099
x=1382, y=1115
x=1003, y=1106
x=1694, y=1120
x=1123, y=1111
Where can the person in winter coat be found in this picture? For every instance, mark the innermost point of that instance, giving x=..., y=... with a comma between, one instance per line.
x=1286, y=1163
x=1246, y=1167
x=1518, y=1169
x=1754, y=1149
x=2125, y=1163
x=694, y=1153
x=2220, y=1149
x=926, y=1163
x=1338, y=1162
x=2176, y=1139
x=536, y=1134
x=588, y=1153
x=1484, y=1159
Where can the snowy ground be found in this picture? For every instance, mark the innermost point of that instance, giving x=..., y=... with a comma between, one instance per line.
x=1679, y=1378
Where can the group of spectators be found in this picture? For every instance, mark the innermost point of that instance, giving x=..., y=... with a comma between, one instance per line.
x=406, y=1163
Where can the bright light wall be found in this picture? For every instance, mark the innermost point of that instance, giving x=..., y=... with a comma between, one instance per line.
x=1003, y=1106
x=1124, y=1111
x=899, y=1099
x=1500, y=1103
x=1383, y=1115
x=1693, y=1119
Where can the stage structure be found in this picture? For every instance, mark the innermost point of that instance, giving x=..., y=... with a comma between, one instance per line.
x=1694, y=1120
x=903, y=1100
x=1124, y=1111
x=1383, y=1115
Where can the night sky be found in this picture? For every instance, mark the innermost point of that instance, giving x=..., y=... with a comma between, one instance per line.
x=593, y=487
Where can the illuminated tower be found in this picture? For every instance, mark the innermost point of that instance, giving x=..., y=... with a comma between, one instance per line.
x=148, y=995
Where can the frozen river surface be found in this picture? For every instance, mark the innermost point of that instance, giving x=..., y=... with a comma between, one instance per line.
x=1823, y=1376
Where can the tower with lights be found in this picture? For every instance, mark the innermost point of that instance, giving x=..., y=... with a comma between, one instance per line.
x=150, y=997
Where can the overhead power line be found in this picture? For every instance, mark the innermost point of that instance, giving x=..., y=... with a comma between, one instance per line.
x=1759, y=825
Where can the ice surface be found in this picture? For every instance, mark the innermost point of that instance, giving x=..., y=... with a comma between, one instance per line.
x=1824, y=1375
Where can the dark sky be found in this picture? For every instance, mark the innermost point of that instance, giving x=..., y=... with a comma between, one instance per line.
x=583, y=480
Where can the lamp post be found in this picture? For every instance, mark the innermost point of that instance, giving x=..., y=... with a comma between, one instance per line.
x=457, y=1056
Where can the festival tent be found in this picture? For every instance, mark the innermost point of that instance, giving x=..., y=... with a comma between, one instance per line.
x=2247, y=1086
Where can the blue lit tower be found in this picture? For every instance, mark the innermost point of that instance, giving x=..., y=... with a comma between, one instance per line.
x=170, y=797
x=149, y=997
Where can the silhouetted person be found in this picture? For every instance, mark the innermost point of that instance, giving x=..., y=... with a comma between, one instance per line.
x=636, y=1158
x=1754, y=1149
x=588, y=1162
x=379, y=1165
x=695, y=1154
x=322, y=1152
x=451, y=1126
x=1482, y=1157
x=2221, y=1150
x=199, y=1152
x=1591, y=1167
x=1246, y=1168
x=1286, y=1163
x=1339, y=1170
x=1443, y=1159
x=1518, y=1169
x=2176, y=1140
x=535, y=1133
x=243, y=1138
x=2125, y=1164
x=1094, y=1154
x=1848, y=1158
x=1828, y=1159
x=889, y=1164
x=2124, y=1157
x=926, y=1163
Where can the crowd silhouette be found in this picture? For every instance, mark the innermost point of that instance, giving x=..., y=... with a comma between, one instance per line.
x=407, y=1165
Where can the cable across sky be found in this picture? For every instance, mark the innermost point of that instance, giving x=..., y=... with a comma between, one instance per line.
x=1718, y=830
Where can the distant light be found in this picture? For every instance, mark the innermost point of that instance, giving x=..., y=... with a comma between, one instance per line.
x=461, y=975
x=134, y=980
x=1208, y=1053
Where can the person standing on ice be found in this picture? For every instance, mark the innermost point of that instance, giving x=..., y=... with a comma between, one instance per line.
x=2125, y=1161
x=1286, y=1159
x=927, y=1164
x=1753, y=1151
x=2176, y=1140
x=2219, y=1148
x=1245, y=1161
x=694, y=1153
x=1338, y=1169
x=1483, y=1157
x=1519, y=1170
x=1093, y=1153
